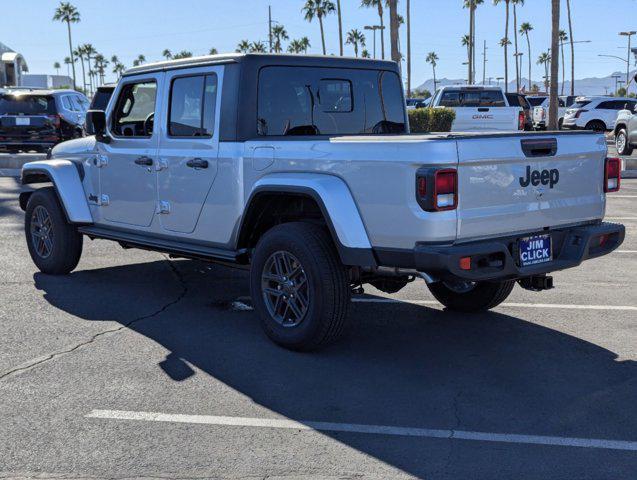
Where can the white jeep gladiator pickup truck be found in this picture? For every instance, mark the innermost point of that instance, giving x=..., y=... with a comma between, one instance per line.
x=303, y=170
x=480, y=108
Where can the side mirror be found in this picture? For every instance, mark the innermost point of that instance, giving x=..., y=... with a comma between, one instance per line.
x=96, y=125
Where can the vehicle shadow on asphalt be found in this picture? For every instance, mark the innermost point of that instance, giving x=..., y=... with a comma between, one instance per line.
x=400, y=364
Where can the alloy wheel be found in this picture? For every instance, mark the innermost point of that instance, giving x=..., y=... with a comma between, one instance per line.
x=42, y=231
x=285, y=289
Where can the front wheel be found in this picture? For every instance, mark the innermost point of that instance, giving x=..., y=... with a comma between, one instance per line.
x=471, y=296
x=622, y=143
x=596, y=126
x=299, y=287
x=54, y=244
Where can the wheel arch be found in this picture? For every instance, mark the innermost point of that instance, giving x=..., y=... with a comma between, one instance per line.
x=618, y=127
x=66, y=178
x=315, y=198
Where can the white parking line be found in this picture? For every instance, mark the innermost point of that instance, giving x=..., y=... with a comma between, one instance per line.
x=367, y=429
x=620, y=218
x=621, y=196
x=625, y=251
x=510, y=305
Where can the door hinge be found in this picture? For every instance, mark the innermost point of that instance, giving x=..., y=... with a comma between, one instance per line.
x=163, y=207
x=162, y=164
x=104, y=200
x=100, y=161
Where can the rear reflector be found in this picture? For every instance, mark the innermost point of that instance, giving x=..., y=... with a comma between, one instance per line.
x=521, y=120
x=465, y=263
x=612, y=174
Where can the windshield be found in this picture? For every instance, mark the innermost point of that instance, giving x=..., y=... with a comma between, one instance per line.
x=535, y=101
x=26, y=105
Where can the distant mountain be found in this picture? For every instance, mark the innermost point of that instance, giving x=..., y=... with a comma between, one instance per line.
x=585, y=86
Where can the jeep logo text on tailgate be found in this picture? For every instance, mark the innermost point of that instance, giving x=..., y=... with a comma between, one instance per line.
x=545, y=177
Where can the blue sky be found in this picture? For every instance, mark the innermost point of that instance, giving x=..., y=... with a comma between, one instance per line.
x=128, y=28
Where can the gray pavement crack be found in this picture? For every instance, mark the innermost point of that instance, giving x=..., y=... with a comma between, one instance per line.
x=47, y=358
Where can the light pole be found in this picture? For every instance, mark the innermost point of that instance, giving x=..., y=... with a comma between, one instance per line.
x=519, y=63
x=498, y=79
x=616, y=77
x=628, y=34
x=562, y=49
x=373, y=28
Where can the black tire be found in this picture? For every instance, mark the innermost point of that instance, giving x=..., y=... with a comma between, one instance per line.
x=596, y=126
x=483, y=296
x=62, y=254
x=560, y=122
x=623, y=145
x=326, y=294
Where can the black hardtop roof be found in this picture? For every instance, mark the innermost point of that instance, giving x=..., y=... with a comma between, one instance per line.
x=259, y=60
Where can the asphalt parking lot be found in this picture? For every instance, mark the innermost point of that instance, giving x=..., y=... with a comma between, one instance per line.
x=139, y=366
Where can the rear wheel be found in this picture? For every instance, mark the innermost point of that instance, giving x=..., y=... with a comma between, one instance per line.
x=622, y=144
x=299, y=287
x=54, y=244
x=465, y=296
x=596, y=126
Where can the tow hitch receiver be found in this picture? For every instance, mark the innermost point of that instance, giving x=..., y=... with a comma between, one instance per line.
x=537, y=283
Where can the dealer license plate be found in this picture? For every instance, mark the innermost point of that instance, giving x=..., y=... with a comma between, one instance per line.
x=535, y=250
x=22, y=121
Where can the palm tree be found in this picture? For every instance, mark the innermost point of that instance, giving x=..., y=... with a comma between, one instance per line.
x=408, y=7
x=258, y=47
x=545, y=59
x=318, y=9
x=182, y=54
x=340, y=26
x=365, y=53
x=67, y=62
x=279, y=33
x=563, y=37
x=305, y=42
x=515, y=43
x=89, y=51
x=394, y=26
x=505, y=42
x=69, y=14
x=79, y=53
x=466, y=42
x=140, y=59
x=472, y=5
x=100, y=66
x=213, y=51
x=167, y=54
x=555, y=64
x=295, y=47
x=570, y=35
x=57, y=66
x=378, y=4
x=355, y=38
x=115, y=60
x=525, y=28
x=432, y=58
x=118, y=69
x=243, y=46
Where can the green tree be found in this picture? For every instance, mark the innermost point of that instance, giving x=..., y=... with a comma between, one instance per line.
x=306, y=44
x=67, y=62
x=243, y=46
x=563, y=37
x=432, y=58
x=213, y=51
x=295, y=47
x=515, y=4
x=167, y=54
x=472, y=5
x=279, y=33
x=68, y=14
x=57, y=66
x=318, y=9
x=365, y=53
x=258, y=47
x=545, y=59
x=525, y=29
x=378, y=5
x=79, y=53
x=182, y=54
x=118, y=68
x=355, y=38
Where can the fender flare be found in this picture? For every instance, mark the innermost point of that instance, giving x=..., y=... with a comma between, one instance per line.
x=65, y=177
x=337, y=205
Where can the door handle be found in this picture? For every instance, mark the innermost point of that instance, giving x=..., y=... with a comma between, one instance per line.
x=145, y=161
x=197, y=163
x=483, y=109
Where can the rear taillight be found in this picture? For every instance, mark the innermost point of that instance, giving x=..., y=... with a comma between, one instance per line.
x=56, y=120
x=521, y=120
x=579, y=112
x=437, y=189
x=612, y=174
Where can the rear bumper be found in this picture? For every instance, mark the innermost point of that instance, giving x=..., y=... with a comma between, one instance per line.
x=496, y=259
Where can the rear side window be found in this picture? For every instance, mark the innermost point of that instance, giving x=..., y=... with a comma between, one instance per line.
x=581, y=104
x=192, y=106
x=100, y=99
x=27, y=105
x=328, y=101
x=66, y=102
x=535, y=101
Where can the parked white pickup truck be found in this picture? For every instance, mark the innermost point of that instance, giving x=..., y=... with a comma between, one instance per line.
x=541, y=111
x=479, y=109
x=303, y=170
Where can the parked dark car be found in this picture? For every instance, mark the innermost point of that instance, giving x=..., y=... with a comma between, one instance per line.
x=519, y=100
x=37, y=119
x=102, y=96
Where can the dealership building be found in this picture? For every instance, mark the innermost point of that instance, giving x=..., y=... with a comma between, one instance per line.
x=12, y=67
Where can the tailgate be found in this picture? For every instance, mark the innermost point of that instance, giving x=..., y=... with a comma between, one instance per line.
x=539, y=114
x=19, y=126
x=486, y=119
x=524, y=183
